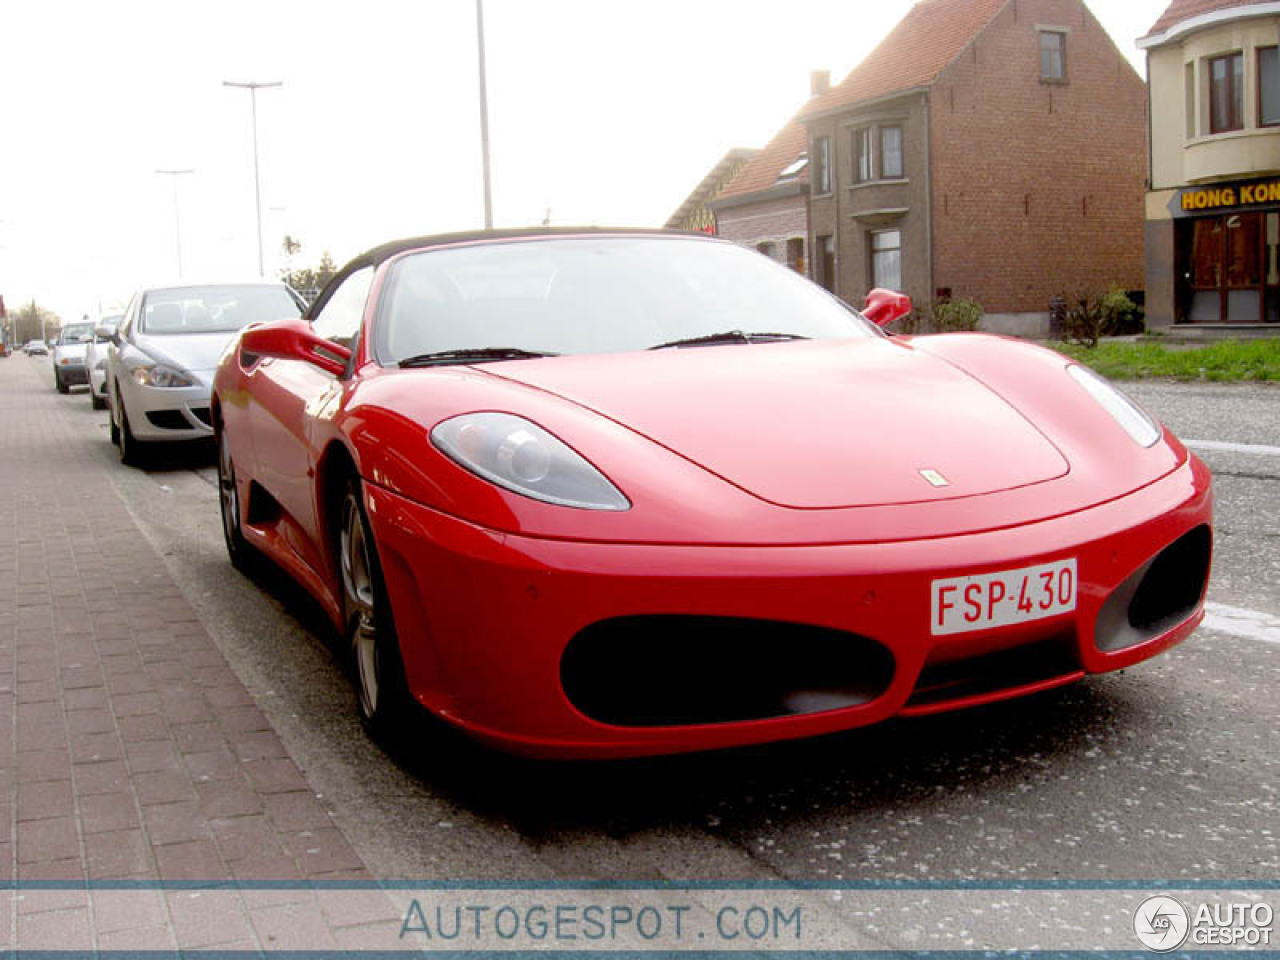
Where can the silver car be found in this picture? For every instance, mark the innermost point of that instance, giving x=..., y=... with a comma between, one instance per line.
x=95, y=359
x=68, y=356
x=161, y=361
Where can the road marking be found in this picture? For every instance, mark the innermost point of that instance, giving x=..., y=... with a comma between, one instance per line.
x=1257, y=448
x=1242, y=623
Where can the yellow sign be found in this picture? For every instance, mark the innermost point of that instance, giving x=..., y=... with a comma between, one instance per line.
x=1212, y=198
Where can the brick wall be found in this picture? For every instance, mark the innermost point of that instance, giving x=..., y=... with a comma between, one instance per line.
x=1038, y=188
x=770, y=221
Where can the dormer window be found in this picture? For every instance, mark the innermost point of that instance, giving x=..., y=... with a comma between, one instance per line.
x=794, y=168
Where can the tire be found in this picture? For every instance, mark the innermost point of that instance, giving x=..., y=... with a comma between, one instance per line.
x=115, y=427
x=57, y=382
x=239, y=550
x=382, y=694
x=130, y=449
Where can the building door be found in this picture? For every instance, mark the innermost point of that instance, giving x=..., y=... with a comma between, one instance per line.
x=1227, y=270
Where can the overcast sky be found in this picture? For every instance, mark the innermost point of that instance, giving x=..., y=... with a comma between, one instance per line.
x=601, y=111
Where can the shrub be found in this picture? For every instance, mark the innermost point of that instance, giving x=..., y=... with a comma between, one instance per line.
x=1120, y=315
x=1082, y=322
x=961, y=314
x=1089, y=316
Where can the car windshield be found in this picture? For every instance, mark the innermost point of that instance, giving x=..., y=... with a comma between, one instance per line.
x=218, y=309
x=73, y=333
x=576, y=295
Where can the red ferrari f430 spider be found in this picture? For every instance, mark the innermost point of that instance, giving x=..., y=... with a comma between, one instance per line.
x=607, y=493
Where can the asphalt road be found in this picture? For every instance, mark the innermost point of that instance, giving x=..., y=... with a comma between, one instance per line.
x=1168, y=770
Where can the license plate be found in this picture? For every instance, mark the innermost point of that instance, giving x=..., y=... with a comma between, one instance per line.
x=987, y=600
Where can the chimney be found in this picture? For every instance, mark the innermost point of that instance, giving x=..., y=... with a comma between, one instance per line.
x=819, y=82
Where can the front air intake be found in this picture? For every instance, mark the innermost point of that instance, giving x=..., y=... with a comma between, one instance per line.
x=668, y=670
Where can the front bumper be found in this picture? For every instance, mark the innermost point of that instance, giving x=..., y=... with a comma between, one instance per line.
x=485, y=618
x=167, y=413
x=72, y=374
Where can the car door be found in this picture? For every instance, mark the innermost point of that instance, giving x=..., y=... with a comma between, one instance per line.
x=288, y=396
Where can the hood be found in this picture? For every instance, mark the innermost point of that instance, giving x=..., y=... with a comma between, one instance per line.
x=70, y=351
x=197, y=353
x=817, y=424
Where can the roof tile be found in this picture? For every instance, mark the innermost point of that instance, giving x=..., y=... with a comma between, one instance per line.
x=761, y=172
x=1181, y=10
x=930, y=36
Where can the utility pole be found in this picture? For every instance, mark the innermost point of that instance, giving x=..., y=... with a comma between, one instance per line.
x=253, y=87
x=484, y=117
x=177, y=219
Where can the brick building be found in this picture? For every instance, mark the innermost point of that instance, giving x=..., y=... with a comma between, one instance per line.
x=1213, y=209
x=766, y=205
x=695, y=213
x=989, y=149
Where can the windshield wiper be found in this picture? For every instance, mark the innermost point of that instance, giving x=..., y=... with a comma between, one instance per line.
x=472, y=355
x=728, y=336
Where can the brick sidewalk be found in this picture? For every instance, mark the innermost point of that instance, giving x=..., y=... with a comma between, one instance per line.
x=131, y=748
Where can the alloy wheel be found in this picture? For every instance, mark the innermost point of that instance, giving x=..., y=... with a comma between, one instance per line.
x=359, y=591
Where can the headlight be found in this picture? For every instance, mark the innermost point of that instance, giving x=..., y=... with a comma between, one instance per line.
x=520, y=456
x=161, y=375
x=1133, y=418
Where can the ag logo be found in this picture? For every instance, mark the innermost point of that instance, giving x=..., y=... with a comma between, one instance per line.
x=1161, y=923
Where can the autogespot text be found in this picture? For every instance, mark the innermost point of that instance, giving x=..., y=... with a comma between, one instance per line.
x=599, y=922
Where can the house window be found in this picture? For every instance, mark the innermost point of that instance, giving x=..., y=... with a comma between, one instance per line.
x=1226, y=93
x=890, y=153
x=826, y=263
x=862, y=155
x=1053, y=56
x=795, y=254
x=1268, y=86
x=1189, y=98
x=886, y=259
x=822, y=165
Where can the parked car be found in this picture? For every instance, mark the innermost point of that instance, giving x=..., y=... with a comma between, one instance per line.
x=69, y=368
x=36, y=348
x=160, y=363
x=95, y=359
x=615, y=493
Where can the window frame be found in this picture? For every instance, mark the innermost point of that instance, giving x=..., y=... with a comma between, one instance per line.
x=820, y=166
x=1061, y=53
x=902, y=152
x=1260, y=88
x=873, y=251
x=1235, y=119
x=862, y=154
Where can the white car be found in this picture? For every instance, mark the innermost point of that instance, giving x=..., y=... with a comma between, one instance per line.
x=95, y=359
x=160, y=363
x=68, y=356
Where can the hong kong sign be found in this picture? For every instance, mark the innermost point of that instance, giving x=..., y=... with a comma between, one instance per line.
x=1228, y=196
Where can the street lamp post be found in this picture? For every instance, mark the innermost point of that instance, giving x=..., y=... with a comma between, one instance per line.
x=484, y=116
x=177, y=217
x=253, y=87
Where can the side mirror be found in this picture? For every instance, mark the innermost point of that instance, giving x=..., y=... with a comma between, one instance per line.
x=885, y=306
x=85, y=338
x=293, y=340
x=104, y=333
